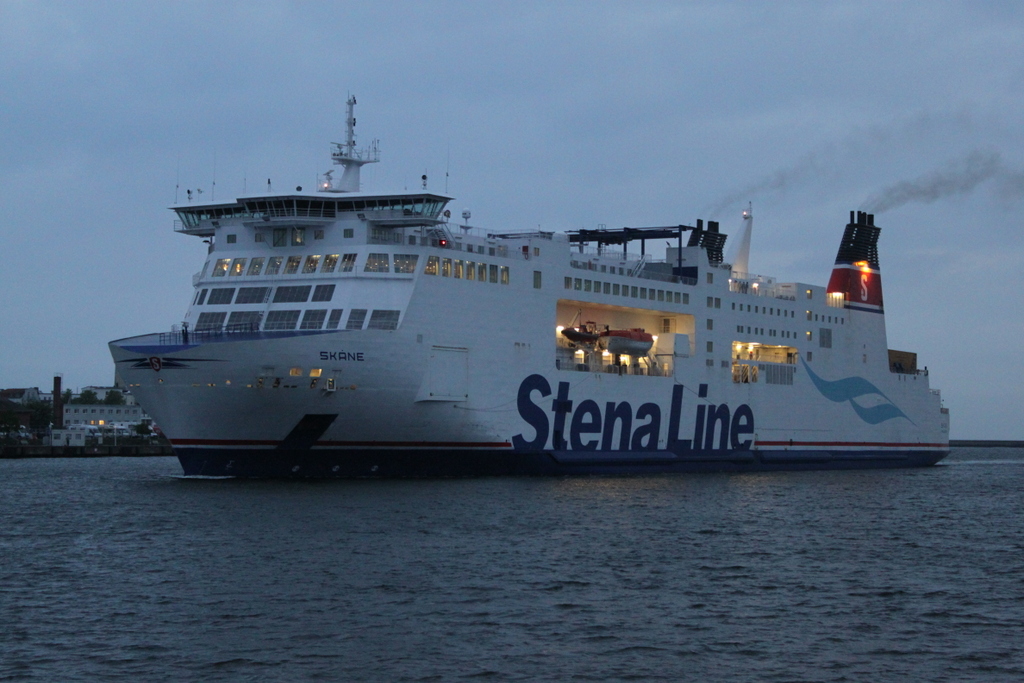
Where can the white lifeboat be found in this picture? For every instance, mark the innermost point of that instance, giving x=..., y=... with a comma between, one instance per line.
x=632, y=342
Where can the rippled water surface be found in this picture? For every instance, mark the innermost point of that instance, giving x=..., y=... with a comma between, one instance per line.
x=110, y=569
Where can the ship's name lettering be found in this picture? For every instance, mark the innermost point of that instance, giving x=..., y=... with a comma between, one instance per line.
x=342, y=355
x=618, y=427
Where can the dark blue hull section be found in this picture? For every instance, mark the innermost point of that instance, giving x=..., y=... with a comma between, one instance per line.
x=419, y=463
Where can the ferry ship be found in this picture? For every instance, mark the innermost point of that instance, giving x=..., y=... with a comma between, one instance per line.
x=345, y=333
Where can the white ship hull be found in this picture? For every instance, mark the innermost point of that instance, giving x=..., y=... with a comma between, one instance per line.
x=461, y=369
x=470, y=379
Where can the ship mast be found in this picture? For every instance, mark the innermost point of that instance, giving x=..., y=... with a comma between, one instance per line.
x=351, y=159
x=741, y=261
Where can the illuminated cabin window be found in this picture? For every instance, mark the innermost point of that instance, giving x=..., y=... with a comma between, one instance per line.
x=237, y=267
x=312, y=263
x=315, y=372
x=298, y=237
x=330, y=263
x=274, y=265
x=458, y=271
x=503, y=278
x=406, y=263
x=256, y=266
x=295, y=372
x=348, y=262
x=221, y=268
x=377, y=263
x=291, y=267
x=446, y=267
x=433, y=265
x=470, y=270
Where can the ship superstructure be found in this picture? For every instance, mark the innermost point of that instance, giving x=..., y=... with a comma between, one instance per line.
x=348, y=333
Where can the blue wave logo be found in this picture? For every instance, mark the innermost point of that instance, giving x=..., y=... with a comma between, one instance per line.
x=854, y=387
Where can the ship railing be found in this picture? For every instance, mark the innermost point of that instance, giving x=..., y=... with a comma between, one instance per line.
x=756, y=289
x=899, y=369
x=566, y=358
x=594, y=266
x=612, y=369
x=206, y=334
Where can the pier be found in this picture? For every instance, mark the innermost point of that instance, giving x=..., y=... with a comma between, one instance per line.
x=130, y=451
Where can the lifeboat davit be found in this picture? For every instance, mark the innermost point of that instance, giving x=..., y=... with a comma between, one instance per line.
x=633, y=342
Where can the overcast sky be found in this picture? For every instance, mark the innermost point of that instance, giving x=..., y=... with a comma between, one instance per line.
x=554, y=114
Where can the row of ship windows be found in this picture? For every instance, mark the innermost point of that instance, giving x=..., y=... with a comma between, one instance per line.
x=315, y=208
x=375, y=263
x=710, y=362
x=783, y=312
x=103, y=411
x=824, y=334
x=785, y=334
x=272, y=265
x=468, y=270
x=632, y=291
x=261, y=295
x=312, y=319
x=763, y=309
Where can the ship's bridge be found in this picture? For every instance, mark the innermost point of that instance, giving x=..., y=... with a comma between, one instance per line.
x=392, y=210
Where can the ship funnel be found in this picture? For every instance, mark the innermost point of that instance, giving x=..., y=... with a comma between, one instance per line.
x=856, y=279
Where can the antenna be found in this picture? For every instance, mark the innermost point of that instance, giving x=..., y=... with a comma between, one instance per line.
x=213, y=188
x=447, y=165
x=346, y=155
x=424, y=179
x=177, y=179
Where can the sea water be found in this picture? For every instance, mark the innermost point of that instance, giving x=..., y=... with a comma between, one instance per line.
x=111, y=569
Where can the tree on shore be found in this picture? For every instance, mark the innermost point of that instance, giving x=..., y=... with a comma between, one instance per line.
x=114, y=398
x=42, y=414
x=87, y=397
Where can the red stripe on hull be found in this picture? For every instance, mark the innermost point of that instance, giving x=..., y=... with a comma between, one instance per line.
x=345, y=444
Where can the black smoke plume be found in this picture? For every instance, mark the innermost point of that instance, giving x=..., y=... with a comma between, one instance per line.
x=959, y=177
